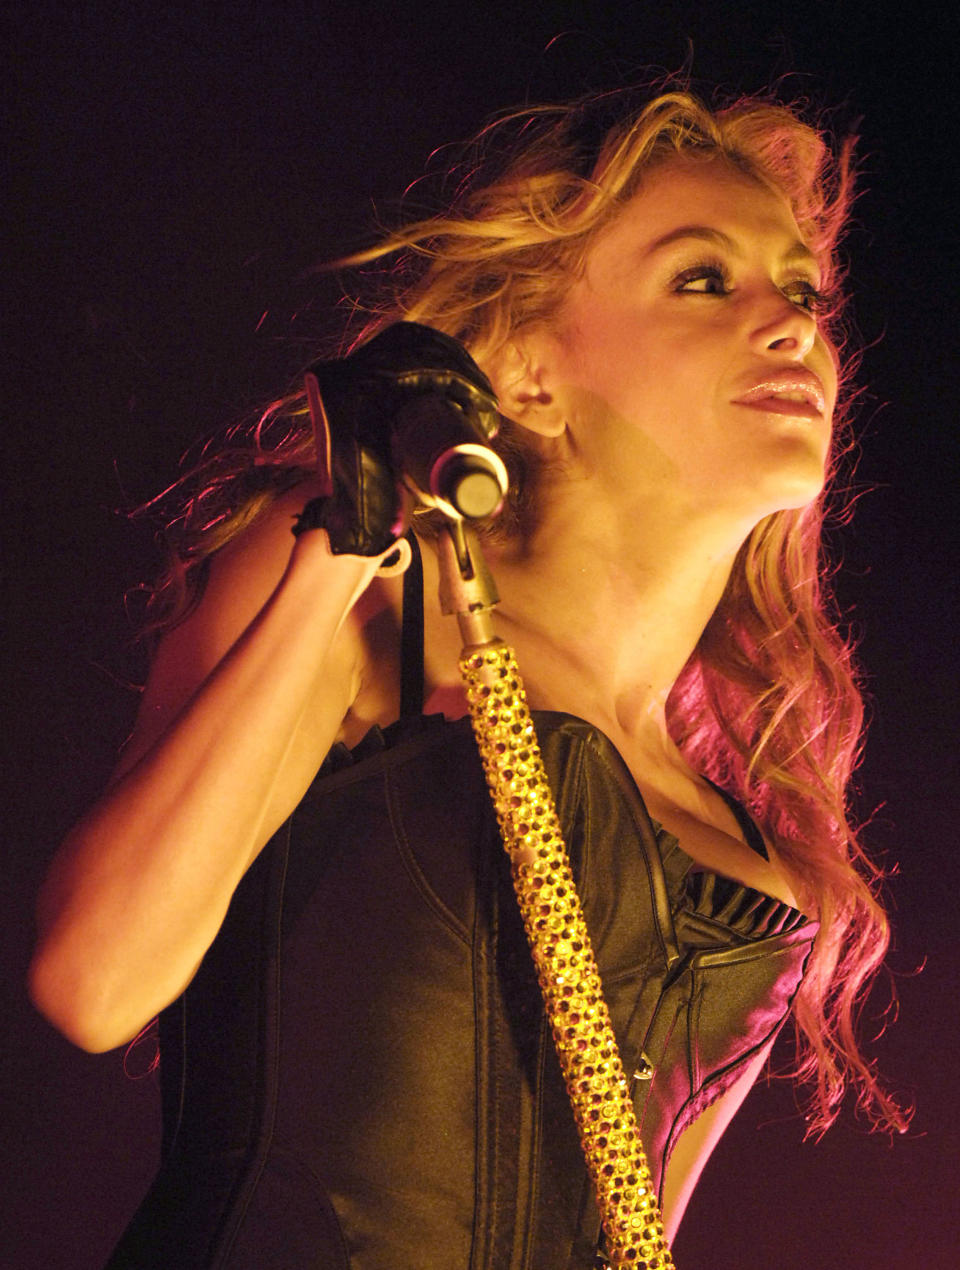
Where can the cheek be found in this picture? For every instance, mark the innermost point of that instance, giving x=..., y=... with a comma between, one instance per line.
x=584, y=345
x=609, y=353
x=830, y=367
x=597, y=331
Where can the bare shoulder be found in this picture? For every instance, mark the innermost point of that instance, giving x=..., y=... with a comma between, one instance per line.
x=240, y=579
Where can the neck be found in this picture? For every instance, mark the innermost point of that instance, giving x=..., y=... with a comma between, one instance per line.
x=605, y=609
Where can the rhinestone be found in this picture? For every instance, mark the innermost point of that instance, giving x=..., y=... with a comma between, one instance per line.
x=565, y=965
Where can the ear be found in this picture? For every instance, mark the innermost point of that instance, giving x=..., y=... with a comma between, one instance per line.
x=522, y=381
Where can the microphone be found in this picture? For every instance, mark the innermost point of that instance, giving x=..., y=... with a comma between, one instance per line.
x=443, y=457
x=412, y=397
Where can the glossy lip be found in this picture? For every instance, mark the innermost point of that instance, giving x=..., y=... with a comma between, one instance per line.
x=770, y=394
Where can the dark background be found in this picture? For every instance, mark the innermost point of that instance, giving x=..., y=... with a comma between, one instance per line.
x=174, y=172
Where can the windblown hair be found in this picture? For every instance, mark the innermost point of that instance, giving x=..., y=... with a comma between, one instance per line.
x=769, y=704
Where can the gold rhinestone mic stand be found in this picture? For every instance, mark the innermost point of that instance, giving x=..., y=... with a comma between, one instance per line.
x=552, y=914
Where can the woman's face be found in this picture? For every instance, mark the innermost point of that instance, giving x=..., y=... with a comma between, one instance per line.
x=686, y=358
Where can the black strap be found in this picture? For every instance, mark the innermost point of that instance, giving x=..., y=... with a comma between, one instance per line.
x=753, y=836
x=411, y=635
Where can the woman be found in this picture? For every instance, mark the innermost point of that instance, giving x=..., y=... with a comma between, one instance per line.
x=355, y=1064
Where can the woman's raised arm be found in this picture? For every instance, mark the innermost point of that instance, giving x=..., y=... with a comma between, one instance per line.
x=244, y=699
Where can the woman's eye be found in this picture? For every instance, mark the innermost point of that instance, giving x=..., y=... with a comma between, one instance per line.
x=702, y=281
x=713, y=280
x=806, y=296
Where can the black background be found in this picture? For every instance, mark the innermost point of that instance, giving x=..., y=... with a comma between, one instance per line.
x=173, y=175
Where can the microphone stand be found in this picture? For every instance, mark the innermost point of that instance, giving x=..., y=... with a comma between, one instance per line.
x=552, y=914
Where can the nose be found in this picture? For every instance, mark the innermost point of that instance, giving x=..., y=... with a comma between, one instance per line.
x=784, y=327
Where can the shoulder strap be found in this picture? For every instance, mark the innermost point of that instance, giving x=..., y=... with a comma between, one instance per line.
x=753, y=836
x=411, y=635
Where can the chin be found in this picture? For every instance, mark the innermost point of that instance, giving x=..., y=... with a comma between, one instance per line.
x=797, y=477
x=789, y=491
x=797, y=499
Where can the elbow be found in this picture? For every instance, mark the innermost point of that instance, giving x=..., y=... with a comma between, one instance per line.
x=76, y=1011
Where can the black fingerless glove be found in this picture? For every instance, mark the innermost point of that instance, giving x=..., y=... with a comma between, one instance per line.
x=375, y=414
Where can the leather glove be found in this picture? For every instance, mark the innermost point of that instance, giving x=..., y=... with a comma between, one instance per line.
x=383, y=413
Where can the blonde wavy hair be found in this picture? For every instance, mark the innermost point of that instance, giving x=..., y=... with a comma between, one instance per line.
x=768, y=705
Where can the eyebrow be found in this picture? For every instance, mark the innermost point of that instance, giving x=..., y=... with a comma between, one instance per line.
x=706, y=233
